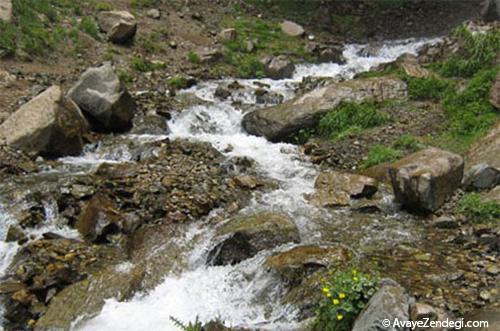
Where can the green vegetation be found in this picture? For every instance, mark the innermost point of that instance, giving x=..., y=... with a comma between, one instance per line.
x=380, y=154
x=152, y=43
x=346, y=293
x=407, y=143
x=89, y=26
x=143, y=3
x=350, y=118
x=103, y=6
x=142, y=65
x=266, y=38
x=475, y=209
x=478, y=52
x=427, y=88
x=194, y=58
x=192, y=326
x=178, y=82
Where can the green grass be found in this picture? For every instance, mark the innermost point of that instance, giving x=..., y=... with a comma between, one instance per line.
x=478, y=52
x=103, y=6
x=350, y=118
x=427, y=88
x=407, y=143
x=143, y=3
x=89, y=26
x=194, y=58
x=178, y=82
x=143, y=65
x=477, y=210
x=380, y=154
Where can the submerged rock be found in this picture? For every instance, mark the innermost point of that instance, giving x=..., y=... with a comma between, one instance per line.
x=120, y=26
x=424, y=180
x=103, y=99
x=279, y=122
x=390, y=302
x=49, y=125
x=245, y=236
x=335, y=189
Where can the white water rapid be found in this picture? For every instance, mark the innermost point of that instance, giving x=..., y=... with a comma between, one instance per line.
x=244, y=294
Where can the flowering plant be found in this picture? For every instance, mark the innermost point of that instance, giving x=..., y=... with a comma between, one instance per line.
x=345, y=293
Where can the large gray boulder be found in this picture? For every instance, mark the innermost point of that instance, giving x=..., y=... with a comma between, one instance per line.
x=279, y=122
x=119, y=26
x=278, y=67
x=103, y=99
x=6, y=10
x=390, y=302
x=244, y=237
x=424, y=180
x=49, y=125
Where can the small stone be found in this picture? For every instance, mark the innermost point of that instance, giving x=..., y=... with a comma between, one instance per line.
x=445, y=222
x=492, y=270
x=15, y=233
x=154, y=13
x=485, y=295
x=246, y=181
x=172, y=44
x=292, y=29
x=228, y=35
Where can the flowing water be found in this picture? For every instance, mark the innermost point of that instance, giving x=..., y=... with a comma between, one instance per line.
x=243, y=294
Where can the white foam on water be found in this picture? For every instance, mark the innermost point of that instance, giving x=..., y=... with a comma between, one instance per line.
x=243, y=294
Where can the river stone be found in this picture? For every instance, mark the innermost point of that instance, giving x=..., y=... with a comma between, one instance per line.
x=98, y=218
x=292, y=29
x=481, y=177
x=299, y=262
x=278, y=67
x=335, y=189
x=49, y=125
x=120, y=26
x=281, y=121
x=6, y=11
x=424, y=180
x=390, y=302
x=247, y=235
x=86, y=298
x=495, y=93
x=103, y=99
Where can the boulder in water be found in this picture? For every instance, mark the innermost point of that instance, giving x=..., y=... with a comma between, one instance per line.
x=390, y=302
x=278, y=67
x=246, y=236
x=424, y=180
x=279, y=122
x=337, y=189
x=120, y=26
x=49, y=125
x=103, y=99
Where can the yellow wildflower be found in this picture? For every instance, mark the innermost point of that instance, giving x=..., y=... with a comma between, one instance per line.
x=326, y=290
x=339, y=317
x=355, y=279
x=335, y=301
x=341, y=295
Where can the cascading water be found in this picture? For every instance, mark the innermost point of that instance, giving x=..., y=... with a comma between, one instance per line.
x=243, y=294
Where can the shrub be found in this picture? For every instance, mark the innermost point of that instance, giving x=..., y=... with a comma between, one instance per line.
x=192, y=326
x=380, y=154
x=103, y=6
x=477, y=53
x=144, y=65
x=346, y=293
x=178, y=82
x=350, y=117
x=193, y=57
x=426, y=88
x=475, y=209
x=89, y=26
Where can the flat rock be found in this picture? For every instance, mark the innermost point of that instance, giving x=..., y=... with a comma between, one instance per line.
x=292, y=29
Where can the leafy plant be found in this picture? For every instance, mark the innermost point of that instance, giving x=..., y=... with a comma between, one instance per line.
x=346, y=293
x=192, y=326
x=380, y=154
x=426, y=88
x=303, y=135
x=194, y=58
x=89, y=26
x=178, y=82
x=142, y=65
x=407, y=142
x=472, y=206
x=350, y=117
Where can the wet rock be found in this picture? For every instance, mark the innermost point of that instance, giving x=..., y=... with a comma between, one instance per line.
x=81, y=191
x=490, y=10
x=222, y=93
x=245, y=236
x=390, y=302
x=424, y=312
x=228, y=35
x=424, y=180
x=445, y=222
x=489, y=314
x=331, y=54
x=99, y=218
x=150, y=124
x=278, y=67
x=15, y=233
x=87, y=297
x=335, y=189
x=103, y=99
x=6, y=11
x=265, y=97
x=481, y=177
x=495, y=93
x=300, y=262
x=120, y=26
x=279, y=122
x=154, y=13
x=49, y=125
x=245, y=181
x=292, y=29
